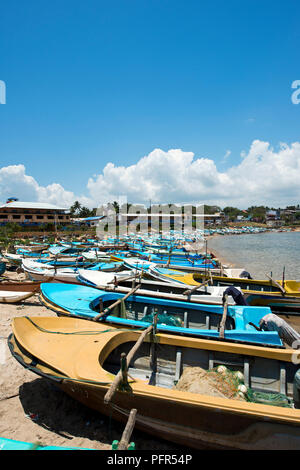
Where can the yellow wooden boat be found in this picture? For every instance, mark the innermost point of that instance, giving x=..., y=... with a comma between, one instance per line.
x=83, y=357
x=281, y=297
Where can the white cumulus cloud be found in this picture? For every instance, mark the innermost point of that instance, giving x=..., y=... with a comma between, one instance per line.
x=262, y=175
x=14, y=182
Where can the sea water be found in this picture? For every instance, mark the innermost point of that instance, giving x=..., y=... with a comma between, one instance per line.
x=261, y=253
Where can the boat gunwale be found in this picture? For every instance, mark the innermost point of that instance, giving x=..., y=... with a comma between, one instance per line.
x=142, y=389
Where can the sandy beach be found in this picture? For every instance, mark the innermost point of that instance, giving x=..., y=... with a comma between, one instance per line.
x=33, y=410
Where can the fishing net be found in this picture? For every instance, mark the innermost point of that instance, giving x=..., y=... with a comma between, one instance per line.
x=211, y=382
x=275, y=399
x=119, y=310
x=163, y=319
x=223, y=382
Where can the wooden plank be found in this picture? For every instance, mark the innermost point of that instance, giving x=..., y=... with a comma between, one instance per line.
x=111, y=391
x=277, y=284
x=116, y=280
x=158, y=294
x=123, y=444
x=224, y=316
x=189, y=292
x=108, y=309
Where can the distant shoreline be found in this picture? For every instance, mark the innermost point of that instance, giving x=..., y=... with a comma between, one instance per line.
x=231, y=264
x=234, y=255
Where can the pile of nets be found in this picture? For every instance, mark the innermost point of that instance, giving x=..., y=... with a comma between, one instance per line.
x=215, y=382
x=163, y=319
x=275, y=399
x=225, y=383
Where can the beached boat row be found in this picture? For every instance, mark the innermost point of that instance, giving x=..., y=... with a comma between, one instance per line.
x=185, y=347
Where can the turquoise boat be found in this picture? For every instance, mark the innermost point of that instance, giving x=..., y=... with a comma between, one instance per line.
x=176, y=317
x=2, y=267
x=31, y=254
x=11, y=444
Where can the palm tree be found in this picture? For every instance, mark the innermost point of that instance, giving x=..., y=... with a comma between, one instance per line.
x=75, y=208
x=116, y=206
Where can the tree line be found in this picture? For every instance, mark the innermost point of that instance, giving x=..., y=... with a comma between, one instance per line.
x=258, y=213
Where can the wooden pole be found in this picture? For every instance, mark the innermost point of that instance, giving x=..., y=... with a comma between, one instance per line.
x=205, y=255
x=118, y=378
x=116, y=281
x=124, y=370
x=150, y=293
x=190, y=291
x=107, y=310
x=224, y=316
x=153, y=352
x=155, y=323
x=123, y=444
x=133, y=282
x=169, y=260
x=277, y=284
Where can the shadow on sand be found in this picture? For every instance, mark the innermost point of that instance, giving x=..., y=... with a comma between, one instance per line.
x=54, y=410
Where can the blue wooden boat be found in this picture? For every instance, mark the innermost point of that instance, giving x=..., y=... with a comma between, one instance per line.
x=178, y=317
x=11, y=444
x=172, y=262
x=2, y=267
x=64, y=250
x=31, y=254
x=195, y=261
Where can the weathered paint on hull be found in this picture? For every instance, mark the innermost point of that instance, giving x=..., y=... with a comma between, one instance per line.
x=280, y=304
x=188, y=425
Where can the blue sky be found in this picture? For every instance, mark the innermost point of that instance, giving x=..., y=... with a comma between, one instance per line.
x=94, y=82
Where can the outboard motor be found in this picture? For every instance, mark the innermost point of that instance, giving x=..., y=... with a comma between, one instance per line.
x=272, y=322
x=236, y=295
x=245, y=275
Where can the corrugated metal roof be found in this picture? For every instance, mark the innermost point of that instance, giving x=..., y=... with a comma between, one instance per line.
x=31, y=205
x=94, y=218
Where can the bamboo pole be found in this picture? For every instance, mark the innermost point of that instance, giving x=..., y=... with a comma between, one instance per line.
x=116, y=281
x=169, y=260
x=224, y=316
x=123, y=369
x=118, y=378
x=107, y=310
x=153, y=352
x=277, y=284
x=123, y=444
x=150, y=293
x=190, y=291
